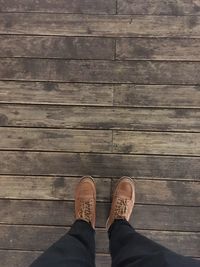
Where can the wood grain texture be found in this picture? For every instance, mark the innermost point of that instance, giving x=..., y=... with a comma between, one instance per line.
x=141, y=72
x=56, y=47
x=157, y=7
x=100, y=118
x=101, y=25
x=60, y=6
x=158, y=49
x=56, y=140
x=61, y=213
x=156, y=143
x=100, y=94
x=156, y=96
x=164, y=192
x=56, y=93
x=99, y=165
x=25, y=258
x=41, y=237
x=167, y=192
x=54, y=188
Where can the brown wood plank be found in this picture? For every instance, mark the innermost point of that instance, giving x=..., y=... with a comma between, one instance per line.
x=141, y=72
x=25, y=258
x=56, y=140
x=100, y=25
x=61, y=213
x=156, y=96
x=156, y=143
x=157, y=7
x=56, y=93
x=10, y=258
x=99, y=165
x=158, y=49
x=40, y=238
x=100, y=94
x=100, y=118
x=164, y=192
x=52, y=188
x=168, y=192
x=181, y=242
x=56, y=47
x=60, y=6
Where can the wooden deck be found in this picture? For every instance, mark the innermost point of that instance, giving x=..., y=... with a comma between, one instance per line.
x=101, y=88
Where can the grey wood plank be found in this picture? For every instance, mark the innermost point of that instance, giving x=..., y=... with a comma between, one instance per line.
x=59, y=6
x=176, y=241
x=61, y=213
x=164, y=192
x=100, y=25
x=56, y=140
x=100, y=118
x=99, y=165
x=17, y=258
x=100, y=71
x=51, y=188
x=159, y=143
x=178, y=49
x=12, y=258
x=168, y=192
x=56, y=47
x=157, y=7
x=56, y=93
x=156, y=96
x=41, y=237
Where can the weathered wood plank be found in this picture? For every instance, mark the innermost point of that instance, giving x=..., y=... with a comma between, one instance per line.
x=179, y=242
x=158, y=49
x=56, y=140
x=60, y=6
x=141, y=72
x=157, y=7
x=52, y=188
x=25, y=258
x=156, y=143
x=56, y=93
x=156, y=96
x=12, y=258
x=62, y=188
x=101, y=25
x=56, y=47
x=168, y=192
x=40, y=238
x=100, y=94
x=61, y=213
x=100, y=118
x=99, y=165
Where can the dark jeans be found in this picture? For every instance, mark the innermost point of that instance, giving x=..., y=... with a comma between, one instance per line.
x=127, y=247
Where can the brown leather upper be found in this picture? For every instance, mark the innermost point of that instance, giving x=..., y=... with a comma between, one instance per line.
x=85, y=200
x=123, y=200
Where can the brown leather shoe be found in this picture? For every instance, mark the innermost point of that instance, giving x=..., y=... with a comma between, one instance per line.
x=85, y=200
x=123, y=201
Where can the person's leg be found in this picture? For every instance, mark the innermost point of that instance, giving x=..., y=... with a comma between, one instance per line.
x=129, y=248
x=77, y=247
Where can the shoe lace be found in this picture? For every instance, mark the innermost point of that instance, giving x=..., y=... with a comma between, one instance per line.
x=85, y=210
x=121, y=208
